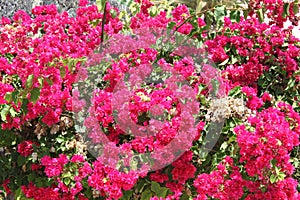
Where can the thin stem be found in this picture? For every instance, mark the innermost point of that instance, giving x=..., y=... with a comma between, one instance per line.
x=103, y=23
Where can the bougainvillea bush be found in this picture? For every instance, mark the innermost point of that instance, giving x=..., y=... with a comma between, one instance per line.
x=44, y=156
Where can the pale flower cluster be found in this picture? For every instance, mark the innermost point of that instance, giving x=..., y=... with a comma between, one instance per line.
x=224, y=108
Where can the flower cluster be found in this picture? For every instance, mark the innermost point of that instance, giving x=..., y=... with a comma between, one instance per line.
x=152, y=104
x=225, y=182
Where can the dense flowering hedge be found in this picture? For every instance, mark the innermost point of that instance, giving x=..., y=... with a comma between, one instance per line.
x=44, y=157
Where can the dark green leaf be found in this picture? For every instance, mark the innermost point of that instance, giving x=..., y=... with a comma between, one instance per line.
x=24, y=106
x=15, y=96
x=34, y=94
x=235, y=16
x=286, y=10
x=62, y=72
x=295, y=8
x=162, y=192
x=49, y=81
x=155, y=186
x=21, y=160
x=127, y=195
x=146, y=195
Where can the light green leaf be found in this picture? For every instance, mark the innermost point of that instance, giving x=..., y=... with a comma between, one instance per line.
x=233, y=59
x=12, y=112
x=153, y=11
x=29, y=81
x=4, y=112
x=260, y=14
x=200, y=5
x=273, y=179
x=67, y=181
x=281, y=176
x=8, y=97
x=235, y=16
x=100, y=5
x=219, y=14
x=224, y=62
x=113, y=13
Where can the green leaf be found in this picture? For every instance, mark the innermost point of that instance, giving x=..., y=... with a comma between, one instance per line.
x=235, y=91
x=62, y=72
x=200, y=6
x=133, y=164
x=281, y=176
x=171, y=25
x=273, y=178
x=286, y=10
x=224, y=146
x=15, y=95
x=67, y=181
x=29, y=81
x=113, y=13
x=162, y=192
x=19, y=195
x=260, y=14
x=31, y=177
x=4, y=112
x=146, y=195
x=233, y=60
x=295, y=8
x=153, y=11
x=296, y=73
x=209, y=18
x=8, y=97
x=184, y=196
x=100, y=5
x=34, y=94
x=224, y=62
x=219, y=14
x=67, y=175
x=155, y=186
x=24, y=106
x=235, y=16
x=245, y=13
x=140, y=186
x=60, y=139
x=21, y=160
x=12, y=112
x=49, y=81
x=127, y=195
